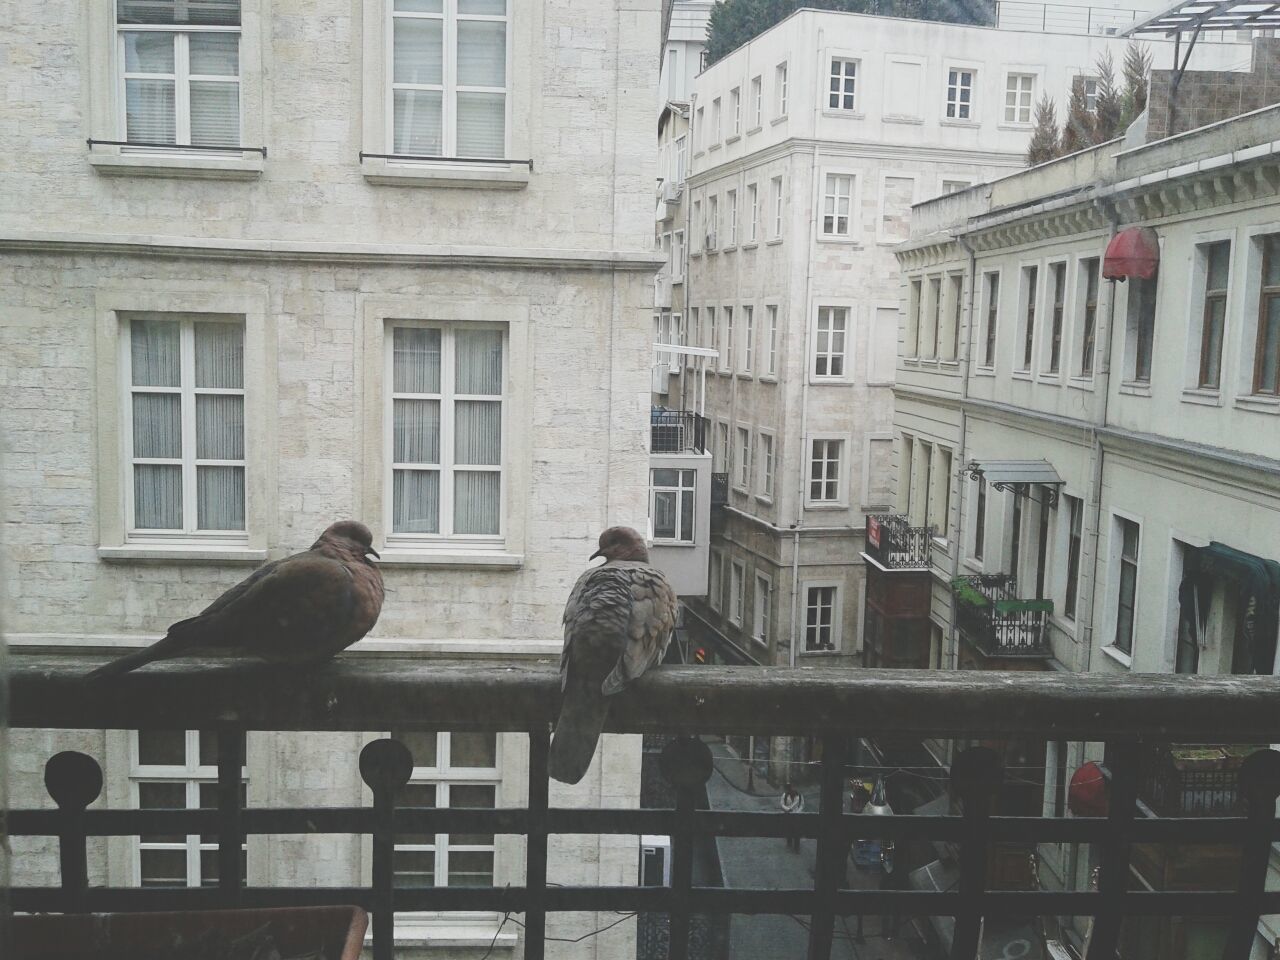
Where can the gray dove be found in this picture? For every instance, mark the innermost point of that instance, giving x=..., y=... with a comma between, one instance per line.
x=297, y=610
x=617, y=624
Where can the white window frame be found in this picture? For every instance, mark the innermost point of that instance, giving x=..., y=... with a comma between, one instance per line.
x=771, y=354
x=713, y=223
x=836, y=588
x=742, y=457
x=686, y=488
x=757, y=102
x=677, y=256
x=841, y=469
x=779, y=207
x=1115, y=547
x=761, y=608
x=753, y=209
x=715, y=580
x=780, y=90
x=748, y=338
x=953, y=106
x=831, y=311
x=737, y=592
x=1198, y=286
x=735, y=107
x=717, y=123
x=831, y=199
x=990, y=318
x=1247, y=255
x=700, y=130
x=1029, y=299
x=1013, y=84
x=842, y=85
x=726, y=342
x=722, y=446
x=731, y=211
x=766, y=455
x=949, y=185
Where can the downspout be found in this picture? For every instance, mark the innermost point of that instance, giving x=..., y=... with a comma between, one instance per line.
x=957, y=545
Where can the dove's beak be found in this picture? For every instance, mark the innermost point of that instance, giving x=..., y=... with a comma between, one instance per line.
x=598, y=553
x=376, y=555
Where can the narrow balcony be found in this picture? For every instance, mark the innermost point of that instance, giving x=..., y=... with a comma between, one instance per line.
x=896, y=545
x=1126, y=714
x=1193, y=780
x=999, y=623
x=677, y=431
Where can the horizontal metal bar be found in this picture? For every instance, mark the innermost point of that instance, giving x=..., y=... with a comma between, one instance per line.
x=414, y=156
x=174, y=146
x=367, y=693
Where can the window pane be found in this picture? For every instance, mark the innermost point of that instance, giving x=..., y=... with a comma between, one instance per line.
x=479, y=362
x=162, y=747
x=209, y=747
x=149, y=111
x=664, y=514
x=219, y=426
x=209, y=801
x=475, y=502
x=420, y=6
x=219, y=355
x=1272, y=255
x=478, y=432
x=418, y=123
x=163, y=868
x=470, y=868
x=157, y=425
x=495, y=8
x=482, y=125
x=215, y=114
x=414, y=868
x=209, y=867
x=686, y=517
x=148, y=53
x=162, y=796
x=1219, y=264
x=416, y=360
x=416, y=501
x=1269, y=344
x=417, y=50
x=220, y=498
x=665, y=478
x=482, y=53
x=417, y=795
x=212, y=12
x=421, y=745
x=153, y=346
x=416, y=431
x=215, y=54
x=157, y=497
x=474, y=750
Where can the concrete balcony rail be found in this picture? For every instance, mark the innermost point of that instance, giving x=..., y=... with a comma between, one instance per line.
x=896, y=545
x=356, y=694
x=999, y=622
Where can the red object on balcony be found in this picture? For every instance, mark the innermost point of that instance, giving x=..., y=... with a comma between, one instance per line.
x=1087, y=795
x=1132, y=253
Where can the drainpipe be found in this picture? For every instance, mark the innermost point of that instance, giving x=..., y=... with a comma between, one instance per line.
x=966, y=349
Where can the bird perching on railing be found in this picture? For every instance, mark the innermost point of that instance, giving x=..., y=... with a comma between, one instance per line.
x=617, y=624
x=298, y=610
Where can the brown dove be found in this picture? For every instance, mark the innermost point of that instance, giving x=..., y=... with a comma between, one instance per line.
x=301, y=609
x=617, y=624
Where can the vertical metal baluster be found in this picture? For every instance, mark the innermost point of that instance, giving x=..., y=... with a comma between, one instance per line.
x=686, y=763
x=535, y=860
x=1113, y=861
x=1259, y=785
x=975, y=776
x=829, y=865
x=385, y=765
x=230, y=821
x=74, y=780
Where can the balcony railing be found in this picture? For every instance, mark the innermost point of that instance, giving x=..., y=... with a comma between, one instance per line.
x=1190, y=780
x=1126, y=713
x=677, y=431
x=997, y=621
x=895, y=545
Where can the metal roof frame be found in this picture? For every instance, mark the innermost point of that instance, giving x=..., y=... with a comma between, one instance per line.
x=1188, y=16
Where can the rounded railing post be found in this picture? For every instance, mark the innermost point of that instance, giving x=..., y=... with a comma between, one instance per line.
x=686, y=764
x=975, y=777
x=1259, y=786
x=385, y=765
x=74, y=780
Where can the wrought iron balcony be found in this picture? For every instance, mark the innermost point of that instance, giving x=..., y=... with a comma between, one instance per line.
x=1193, y=780
x=896, y=545
x=677, y=431
x=1127, y=713
x=997, y=621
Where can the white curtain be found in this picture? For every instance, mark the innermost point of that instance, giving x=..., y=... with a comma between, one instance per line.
x=220, y=498
x=477, y=431
x=416, y=501
x=482, y=125
x=418, y=57
x=219, y=363
x=416, y=431
x=219, y=355
x=157, y=497
x=478, y=363
x=482, y=62
x=476, y=502
x=416, y=360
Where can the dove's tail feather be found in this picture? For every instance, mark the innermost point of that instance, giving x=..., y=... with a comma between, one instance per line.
x=181, y=637
x=582, y=718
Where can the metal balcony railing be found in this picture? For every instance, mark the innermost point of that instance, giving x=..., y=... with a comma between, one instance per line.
x=1127, y=713
x=895, y=545
x=677, y=431
x=997, y=621
x=1192, y=780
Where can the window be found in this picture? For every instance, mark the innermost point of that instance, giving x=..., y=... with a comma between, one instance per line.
x=731, y=201
x=1141, y=321
x=449, y=78
x=180, y=72
x=1030, y=276
x=1089, y=324
x=671, y=504
x=1017, y=97
x=185, y=432
x=1216, y=263
x=682, y=159
x=444, y=417
x=1090, y=93
x=748, y=337
x=821, y=620
x=829, y=343
x=777, y=208
x=993, y=306
x=722, y=446
x=677, y=254
x=1266, y=364
x=771, y=318
x=943, y=475
x=763, y=609
x=1015, y=539
x=980, y=519
x=914, y=309
x=726, y=359
x=735, y=107
x=1059, y=299
x=716, y=122
x=824, y=471
x=713, y=221
x=837, y=201
x=766, y=465
x=929, y=339
x=700, y=128
x=959, y=94
x=737, y=592
x=844, y=79
x=757, y=102
x=1127, y=585
x=450, y=771
x=925, y=460
x=744, y=459
x=753, y=212
x=905, y=473
x=955, y=186
x=695, y=224
x=177, y=769
x=1075, y=509
x=714, y=581
x=780, y=90
x=957, y=306
x=714, y=330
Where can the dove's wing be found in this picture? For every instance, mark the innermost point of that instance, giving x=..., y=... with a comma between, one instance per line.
x=650, y=619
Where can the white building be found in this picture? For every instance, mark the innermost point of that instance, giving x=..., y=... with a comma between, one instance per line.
x=395, y=226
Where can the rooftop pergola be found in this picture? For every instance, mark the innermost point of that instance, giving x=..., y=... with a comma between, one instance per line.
x=1195, y=16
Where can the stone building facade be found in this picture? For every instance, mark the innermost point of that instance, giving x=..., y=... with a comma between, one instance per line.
x=387, y=218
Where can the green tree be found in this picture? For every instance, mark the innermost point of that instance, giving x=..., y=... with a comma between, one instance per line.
x=1136, y=67
x=1044, y=144
x=1079, y=128
x=1107, y=112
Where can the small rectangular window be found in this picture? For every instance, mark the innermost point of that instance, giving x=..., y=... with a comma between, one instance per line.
x=1266, y=366
x=780, y=89
x=837, y=205
x=829, y=342
x=1089, y=317
x=760, y=621
x=713, y=221
x=1030, y=277
x=777, y=207
x=771, y=316
x=820, y=624
x=930, y=338
x=1019, y=88
x=993, y=310
x=671, y=504
x=722, y=446
x=748, y=337
x=744, y=459
x=737, y=592
x=714, y=575
x=1059, y=301
x=1141, y=327
x=1127, y=584
x=843, y=86
x=757, y=104
x=824, y=471
x=753, y=212
x=727, y=343
x=957, y=310
x=735, y=109
x=914, y=308
x=717, y=129
x=1075, y=508
x=980, y=519
x=766, y=465
x=1216, y=263
x=731, y=205
x=959, y=94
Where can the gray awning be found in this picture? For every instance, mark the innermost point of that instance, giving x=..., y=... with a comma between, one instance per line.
x=1002, y=474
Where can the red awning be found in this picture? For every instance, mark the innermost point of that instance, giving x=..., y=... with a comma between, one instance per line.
x=1087, y=795
x=1133, y=252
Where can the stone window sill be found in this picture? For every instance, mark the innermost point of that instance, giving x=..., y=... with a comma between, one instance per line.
x=1136, y=389
x=399, y=556
x=913, y=121
x=777, y=120
x=408, y=173
x=774, y=242
x=1259, y=404
x=150, y=552
x=1202, y=396
x=1118, y=655
x=1080, y=383
x=178, y=165
x=956, y=122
